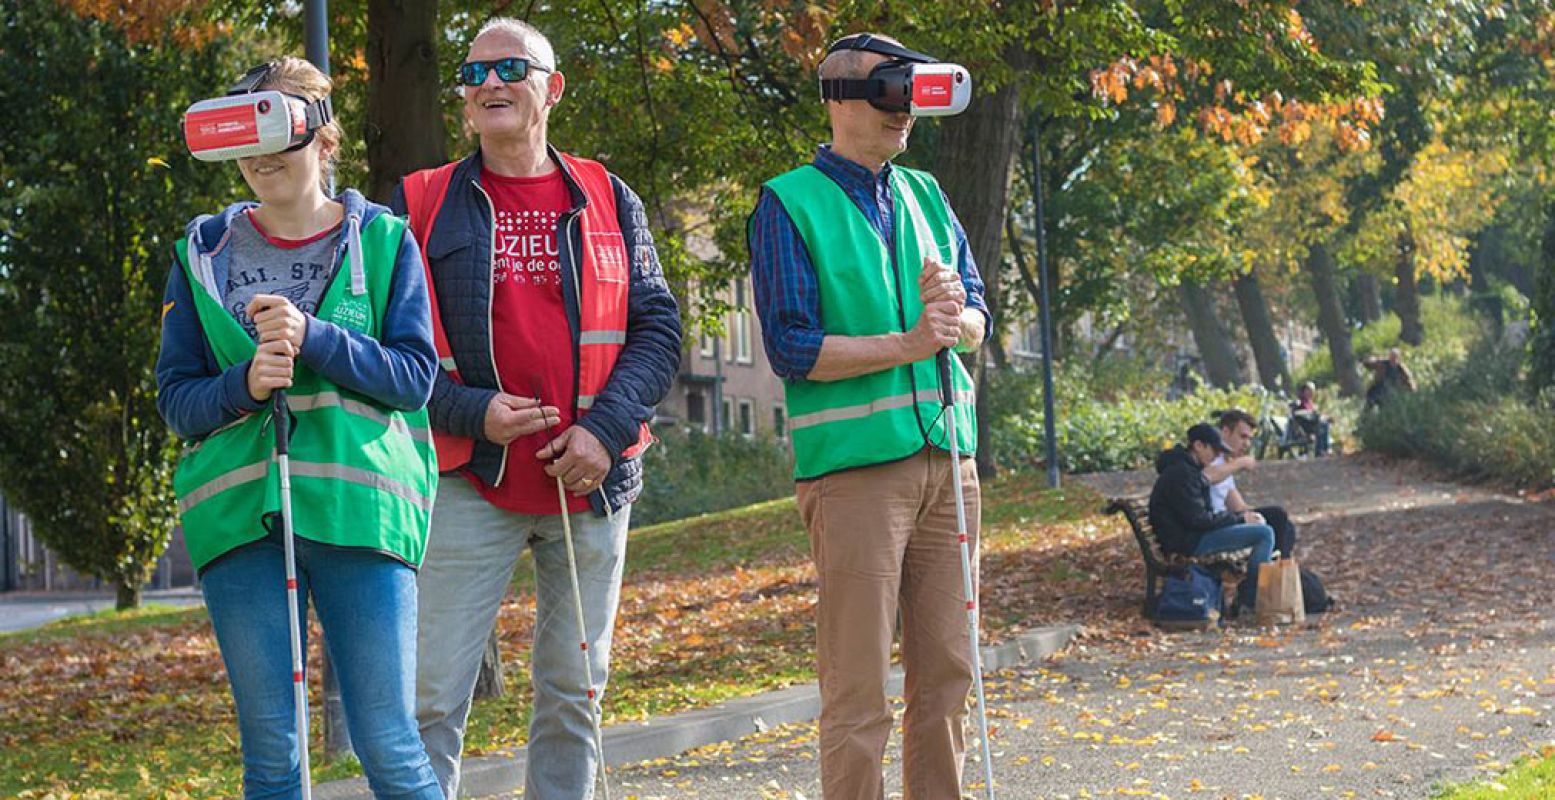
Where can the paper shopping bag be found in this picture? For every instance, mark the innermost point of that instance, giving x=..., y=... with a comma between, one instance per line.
x=1279, y=593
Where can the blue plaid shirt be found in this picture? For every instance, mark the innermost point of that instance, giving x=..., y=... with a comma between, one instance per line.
x=783, y=280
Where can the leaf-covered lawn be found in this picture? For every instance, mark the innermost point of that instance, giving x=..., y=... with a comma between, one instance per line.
x=713, y=607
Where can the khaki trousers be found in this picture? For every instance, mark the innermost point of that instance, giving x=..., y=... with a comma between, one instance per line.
x=884, y=541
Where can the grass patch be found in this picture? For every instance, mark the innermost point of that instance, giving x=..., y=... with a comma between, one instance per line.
x=1532, y=778
x=713, y=607
x=107, y=622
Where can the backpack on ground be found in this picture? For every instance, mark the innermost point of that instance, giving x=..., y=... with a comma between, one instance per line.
x=1190, y=599
x=1313, y=595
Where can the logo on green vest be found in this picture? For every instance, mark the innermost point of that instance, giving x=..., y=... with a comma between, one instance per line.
x=352, y=312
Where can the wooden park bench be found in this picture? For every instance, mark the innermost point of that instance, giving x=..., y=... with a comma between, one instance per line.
x=1157, y=562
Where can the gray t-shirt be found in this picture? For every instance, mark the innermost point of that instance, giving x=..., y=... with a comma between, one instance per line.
x=298, y=273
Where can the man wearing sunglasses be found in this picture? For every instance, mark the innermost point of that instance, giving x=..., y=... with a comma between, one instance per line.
x=557, y=336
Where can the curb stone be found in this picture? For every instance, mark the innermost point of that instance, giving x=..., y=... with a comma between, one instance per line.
x=632, y=742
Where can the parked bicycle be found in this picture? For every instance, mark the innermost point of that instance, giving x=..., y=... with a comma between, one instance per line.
x=1279, y=429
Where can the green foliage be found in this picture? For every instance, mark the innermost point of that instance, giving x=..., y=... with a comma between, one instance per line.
x=694, y=473
x=1104, y=423
x=97, y=187
x=1474, y=421
x=1450, y=330
x=1541, y=367
x=1533, y=778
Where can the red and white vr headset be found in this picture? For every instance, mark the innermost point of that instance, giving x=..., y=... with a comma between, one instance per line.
x=248, y=123
x=908, y=81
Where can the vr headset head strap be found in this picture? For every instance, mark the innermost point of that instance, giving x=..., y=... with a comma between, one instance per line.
x=873, y=44
x=251, y=80
x=851, y=88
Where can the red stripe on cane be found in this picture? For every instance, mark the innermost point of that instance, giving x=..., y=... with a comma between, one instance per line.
x=296, y=677
x=963, y=538
x=591, y=694
x=291, y=583
x=970, y=605
x=584, y=646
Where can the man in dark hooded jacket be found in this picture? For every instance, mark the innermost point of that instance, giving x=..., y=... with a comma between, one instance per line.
x=1183, y=519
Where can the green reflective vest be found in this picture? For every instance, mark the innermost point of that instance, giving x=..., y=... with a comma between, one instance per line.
x=891, y=414
x=361, y=475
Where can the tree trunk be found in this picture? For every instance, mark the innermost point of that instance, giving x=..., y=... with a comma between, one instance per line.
x=1369, y=293
x=1330, y=319
x=337, y=736
x=975, y=152
x=1406, y=298
x=405, y=130
x=1541, y=367
x=489, y=683
x=126, y=596
x=1215, y=347
x=1260, y=333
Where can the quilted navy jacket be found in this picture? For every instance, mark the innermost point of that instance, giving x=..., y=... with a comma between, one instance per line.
x=461, y=259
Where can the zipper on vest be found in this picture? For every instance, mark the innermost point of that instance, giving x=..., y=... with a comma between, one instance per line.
x=491, y=283
x=577, y=297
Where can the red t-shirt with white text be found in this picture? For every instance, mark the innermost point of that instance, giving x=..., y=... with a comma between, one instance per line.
x=531, y=341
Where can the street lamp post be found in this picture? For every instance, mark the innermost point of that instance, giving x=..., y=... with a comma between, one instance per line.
x=1049, y=424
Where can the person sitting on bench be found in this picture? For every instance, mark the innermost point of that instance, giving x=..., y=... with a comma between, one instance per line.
x=1184, y=521
x=1304, y=412
x=1236, y=431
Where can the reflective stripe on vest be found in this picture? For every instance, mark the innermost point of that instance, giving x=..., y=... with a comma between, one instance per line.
x=311, y=402
x=303, y=469
x=873, y=407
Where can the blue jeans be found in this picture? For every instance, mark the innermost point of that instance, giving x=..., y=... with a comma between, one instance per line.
x=366, y=602
x=1236, y=537
x=471, y=555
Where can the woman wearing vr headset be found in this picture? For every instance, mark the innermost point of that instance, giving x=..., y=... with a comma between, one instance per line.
x=325, y=299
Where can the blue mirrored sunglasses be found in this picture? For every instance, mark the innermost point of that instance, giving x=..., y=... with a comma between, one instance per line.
x=510, y=70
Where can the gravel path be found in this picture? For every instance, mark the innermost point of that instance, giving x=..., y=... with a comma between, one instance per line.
x=1437, y=667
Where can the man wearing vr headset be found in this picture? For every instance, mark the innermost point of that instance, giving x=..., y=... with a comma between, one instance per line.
x=862, y=274
x=557, y=336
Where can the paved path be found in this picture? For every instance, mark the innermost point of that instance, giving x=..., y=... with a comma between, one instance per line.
x=25, y=611
x=1438, y=666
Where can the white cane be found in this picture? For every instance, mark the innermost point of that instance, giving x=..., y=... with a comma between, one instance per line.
x=583, y=638
x=281, y=418
x=948, y=396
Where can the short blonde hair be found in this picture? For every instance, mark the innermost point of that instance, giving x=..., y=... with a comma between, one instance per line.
x=299, y=77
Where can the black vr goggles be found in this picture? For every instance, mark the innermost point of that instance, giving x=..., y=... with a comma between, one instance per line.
x=906, y=82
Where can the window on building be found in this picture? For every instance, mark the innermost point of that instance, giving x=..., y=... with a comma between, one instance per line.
x=779, y=422
x=747, y=417
x=726, y=416
x=706, y=348
x=742, y=322
x=696, y=409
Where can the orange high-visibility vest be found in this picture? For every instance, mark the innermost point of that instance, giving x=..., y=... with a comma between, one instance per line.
x=604, y=278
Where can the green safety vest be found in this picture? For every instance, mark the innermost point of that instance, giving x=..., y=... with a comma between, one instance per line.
x=361, y=475
x=891, y=414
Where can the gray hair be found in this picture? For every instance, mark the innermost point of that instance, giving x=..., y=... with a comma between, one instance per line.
x=851, y=63
x=539, y=47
